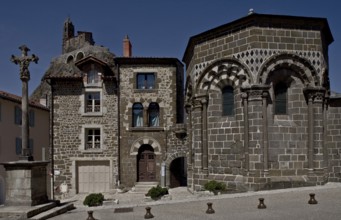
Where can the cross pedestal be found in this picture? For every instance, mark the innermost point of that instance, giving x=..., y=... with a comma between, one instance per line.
x=26, y=183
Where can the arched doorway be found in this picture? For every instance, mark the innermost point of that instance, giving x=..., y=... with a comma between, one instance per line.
x=146, y=166
x=178, y=174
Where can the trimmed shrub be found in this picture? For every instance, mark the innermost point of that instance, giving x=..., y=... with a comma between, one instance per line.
x=94, y=199
x=215, y=186
x=157, y=192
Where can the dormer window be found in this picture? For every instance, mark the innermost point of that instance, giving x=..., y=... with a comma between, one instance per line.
x=93, y=76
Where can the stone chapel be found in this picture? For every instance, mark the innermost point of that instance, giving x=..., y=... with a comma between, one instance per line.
x=255, y=110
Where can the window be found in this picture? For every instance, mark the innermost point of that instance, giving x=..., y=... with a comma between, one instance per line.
x=18, y=146
x=227, y=101
x=17, y=115
x=137, y=115
x=281, y=99
x=145, y=81
x=31, y=118
x=93, y=102
x=93, y=76
x=0, y=111
x=93, y=138
x=154, y=114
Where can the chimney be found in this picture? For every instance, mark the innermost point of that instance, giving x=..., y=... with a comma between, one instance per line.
x=127, y=47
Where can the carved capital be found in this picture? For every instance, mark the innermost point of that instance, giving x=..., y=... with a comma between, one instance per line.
x=315, y=95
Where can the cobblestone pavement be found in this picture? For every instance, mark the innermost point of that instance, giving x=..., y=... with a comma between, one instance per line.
x=281, y=204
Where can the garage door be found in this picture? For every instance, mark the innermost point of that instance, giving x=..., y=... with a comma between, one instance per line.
x=93, y=176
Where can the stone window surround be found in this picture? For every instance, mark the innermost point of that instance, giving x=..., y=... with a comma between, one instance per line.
x=145, y=126
x=145, y=70
x=83, y=102
x=83, y=138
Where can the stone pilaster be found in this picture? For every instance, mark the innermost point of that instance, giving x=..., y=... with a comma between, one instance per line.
x=246, y=131
x=204, y=136
x=316, y=158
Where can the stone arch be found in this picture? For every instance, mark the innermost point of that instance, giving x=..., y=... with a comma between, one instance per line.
x=301, y=66
x=173, y=156
x=79, y=56
x=69, y=59
x=223, y=72
x=134, y=148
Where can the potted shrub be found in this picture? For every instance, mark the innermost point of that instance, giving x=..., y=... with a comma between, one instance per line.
x=157, y=192
x=215, y=187
x=94, y=199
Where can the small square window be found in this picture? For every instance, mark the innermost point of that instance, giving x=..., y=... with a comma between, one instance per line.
x=93, y=138
x=145, y=81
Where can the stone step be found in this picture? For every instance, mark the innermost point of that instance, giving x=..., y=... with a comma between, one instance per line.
x=143, y=187
x=62, y=208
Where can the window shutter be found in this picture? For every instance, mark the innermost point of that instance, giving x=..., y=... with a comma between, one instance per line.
x=17, y=115
x=30, y=145
x=18, y=146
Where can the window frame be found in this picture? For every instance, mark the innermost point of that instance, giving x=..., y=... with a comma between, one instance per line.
x=157, y=107
x=227, y=94
x=134, y=119
x=84, y=101
x=95, y=138
x=145, y=83
x=84, y=138
x=95, y=96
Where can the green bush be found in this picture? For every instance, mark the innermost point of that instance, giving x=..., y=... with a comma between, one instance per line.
x=94, y=199
x=157, y=192
x=215, y=186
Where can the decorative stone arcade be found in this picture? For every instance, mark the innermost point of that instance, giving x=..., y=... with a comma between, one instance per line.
x=25, y=179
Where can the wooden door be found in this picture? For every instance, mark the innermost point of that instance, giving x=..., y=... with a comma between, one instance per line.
x=146, y=166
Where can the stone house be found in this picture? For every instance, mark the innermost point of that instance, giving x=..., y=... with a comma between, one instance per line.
x=261, y=112
x=114, y=120
x=10, y=133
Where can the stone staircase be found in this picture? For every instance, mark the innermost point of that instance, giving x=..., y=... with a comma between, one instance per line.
x=39, y=212
x=143, y=187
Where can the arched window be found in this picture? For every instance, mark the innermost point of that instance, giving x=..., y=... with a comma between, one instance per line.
x=137, y=115
x=281, y=99
x=227, y=96
x=154, y=114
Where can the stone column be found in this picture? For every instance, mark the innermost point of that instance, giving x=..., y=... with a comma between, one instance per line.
x=310, y=134
x=265, y=132
x=315, y=97
x=246, y=131
x=196, y=131
x=189, y=132
x=204, y=136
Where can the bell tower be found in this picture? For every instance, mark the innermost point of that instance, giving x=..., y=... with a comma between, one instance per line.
x=68, y=33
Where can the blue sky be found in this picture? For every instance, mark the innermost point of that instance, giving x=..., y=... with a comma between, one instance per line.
x=156, y=28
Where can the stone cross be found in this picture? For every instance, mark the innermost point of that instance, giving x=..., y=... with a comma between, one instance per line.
x=24, y=61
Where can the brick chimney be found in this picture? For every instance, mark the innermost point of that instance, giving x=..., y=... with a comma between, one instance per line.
x=127, y=47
